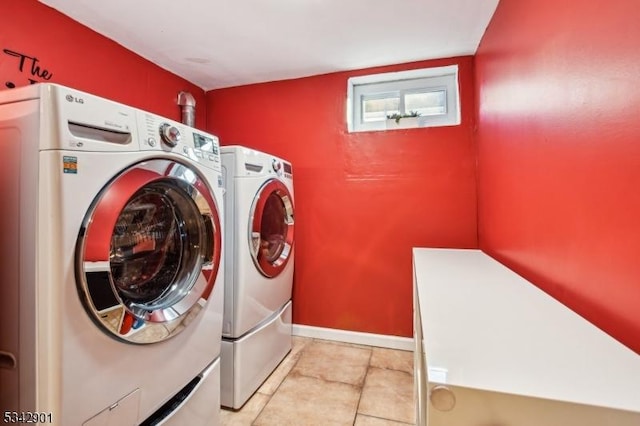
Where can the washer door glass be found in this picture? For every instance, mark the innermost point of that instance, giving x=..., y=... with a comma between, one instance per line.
x=149, y=251
x=271, y=233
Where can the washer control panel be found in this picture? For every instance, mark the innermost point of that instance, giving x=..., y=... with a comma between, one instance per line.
x=160, y=134
x=170, y=134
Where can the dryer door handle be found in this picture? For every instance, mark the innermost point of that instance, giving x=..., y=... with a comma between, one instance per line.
x=255, y=242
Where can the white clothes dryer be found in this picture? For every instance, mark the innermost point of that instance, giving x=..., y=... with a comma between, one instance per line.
x=112, y=277
x=259, y=230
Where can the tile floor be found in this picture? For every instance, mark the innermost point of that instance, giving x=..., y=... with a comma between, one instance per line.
x=331, y=383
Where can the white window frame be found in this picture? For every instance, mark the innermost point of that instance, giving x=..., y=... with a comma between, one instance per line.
x=436, y=78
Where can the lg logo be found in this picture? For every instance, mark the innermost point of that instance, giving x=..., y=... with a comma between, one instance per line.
x=71, y=98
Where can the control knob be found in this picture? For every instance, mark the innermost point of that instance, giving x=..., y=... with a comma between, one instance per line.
x=170, y=134
x=277, y=166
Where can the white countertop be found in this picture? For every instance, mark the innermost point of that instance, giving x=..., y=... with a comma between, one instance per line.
x=491, y=329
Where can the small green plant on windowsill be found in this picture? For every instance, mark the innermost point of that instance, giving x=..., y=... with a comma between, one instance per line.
x=397, y=117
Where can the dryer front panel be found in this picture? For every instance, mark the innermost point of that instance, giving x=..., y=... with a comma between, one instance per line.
x=149, y=251
x=271, y=228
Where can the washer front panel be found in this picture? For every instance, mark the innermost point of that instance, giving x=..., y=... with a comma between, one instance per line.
x=149, y=251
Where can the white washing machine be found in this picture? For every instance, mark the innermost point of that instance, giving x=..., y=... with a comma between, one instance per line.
x=112, y=271
x=258, y=270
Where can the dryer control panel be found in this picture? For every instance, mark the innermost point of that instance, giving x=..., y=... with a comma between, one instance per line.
x=287, y=170
x=282, y=168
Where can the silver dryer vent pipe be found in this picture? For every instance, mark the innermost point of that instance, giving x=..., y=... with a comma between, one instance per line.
x=188, y=105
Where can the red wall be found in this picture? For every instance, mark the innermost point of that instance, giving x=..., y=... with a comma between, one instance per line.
x=559, y=153
x=76, y=56
x=363, y=200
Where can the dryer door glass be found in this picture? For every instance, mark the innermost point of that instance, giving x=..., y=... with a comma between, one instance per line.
x=271, y=235
x=149, y=251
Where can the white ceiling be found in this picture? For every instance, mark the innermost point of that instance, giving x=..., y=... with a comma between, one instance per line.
x=217, y=43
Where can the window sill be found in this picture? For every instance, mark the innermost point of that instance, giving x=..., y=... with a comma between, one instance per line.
x=404, y=123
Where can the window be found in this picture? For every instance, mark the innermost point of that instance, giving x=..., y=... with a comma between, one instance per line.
x=416, y=98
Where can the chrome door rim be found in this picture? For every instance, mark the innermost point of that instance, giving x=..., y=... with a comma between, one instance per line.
x=178, y=303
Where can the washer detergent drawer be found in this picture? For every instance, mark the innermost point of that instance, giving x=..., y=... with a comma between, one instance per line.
x=124, y=412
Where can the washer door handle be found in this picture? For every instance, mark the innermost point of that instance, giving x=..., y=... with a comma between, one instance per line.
x=211, y=230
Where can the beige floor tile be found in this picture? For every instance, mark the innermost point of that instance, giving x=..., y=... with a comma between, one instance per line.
x=392, y=359
x=273, y=381
x=334, y=362
x=362, y=420
x=247, y=414
x=298, y=343
x=309, y=401
x=337, y=342
x=388, y=394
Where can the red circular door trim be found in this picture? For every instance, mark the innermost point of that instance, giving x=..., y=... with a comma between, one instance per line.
x=266, y=267
x=94, y=244
x=105, y=216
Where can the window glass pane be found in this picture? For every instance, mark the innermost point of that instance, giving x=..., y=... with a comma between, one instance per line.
x=431, y=93
x=426, y=103
x=377, y=107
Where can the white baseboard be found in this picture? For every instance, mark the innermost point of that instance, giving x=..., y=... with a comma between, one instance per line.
x=357, y=337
